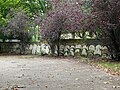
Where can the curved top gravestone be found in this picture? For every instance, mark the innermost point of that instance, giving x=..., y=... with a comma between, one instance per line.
x=98, y=50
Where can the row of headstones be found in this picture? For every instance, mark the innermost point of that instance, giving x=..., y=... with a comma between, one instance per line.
x=71, y=50
x=43, y=49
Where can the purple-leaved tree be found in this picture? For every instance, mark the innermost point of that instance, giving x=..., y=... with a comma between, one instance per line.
x=107, y=14
x=18, y=28
x=64, y=17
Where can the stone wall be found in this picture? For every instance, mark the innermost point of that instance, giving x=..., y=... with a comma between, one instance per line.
x=66, y=49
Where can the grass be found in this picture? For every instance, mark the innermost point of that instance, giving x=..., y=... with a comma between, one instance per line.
x=110, y=66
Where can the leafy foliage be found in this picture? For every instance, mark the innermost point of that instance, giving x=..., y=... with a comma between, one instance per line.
x=17, y=18
x=107, y=14
x=8, y=8
x=18, y=26
x=64, y=17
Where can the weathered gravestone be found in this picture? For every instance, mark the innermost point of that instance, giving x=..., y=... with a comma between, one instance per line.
x=78, y=50
x=105, y=52
x=72, y=50
x=43, y=47
x=38, y=50
x=30, y=47
x=62, y=49
x=97, y=51
x=47, y=49
x=84, y=50
x=34, y=49
x=91, y=50
x=67, y=50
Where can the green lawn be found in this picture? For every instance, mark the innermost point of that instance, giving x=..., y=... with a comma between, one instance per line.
x=114, y=66
x=109, y=66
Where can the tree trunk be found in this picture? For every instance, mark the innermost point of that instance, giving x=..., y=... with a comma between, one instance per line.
x=58, y=46
x=115, y=48
x=115, y=34
x=73, y=35
x=22, y=48
x=52, y=46
x=58, y=43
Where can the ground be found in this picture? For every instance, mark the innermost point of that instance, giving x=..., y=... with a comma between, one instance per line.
x=47, y=73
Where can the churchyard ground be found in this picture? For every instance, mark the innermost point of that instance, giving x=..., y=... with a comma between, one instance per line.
x=50, y=73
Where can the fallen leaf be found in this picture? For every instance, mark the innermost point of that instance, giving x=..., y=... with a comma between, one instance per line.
x=46, y=86
x=114, y=87
x=77, y=79
x=106, y=82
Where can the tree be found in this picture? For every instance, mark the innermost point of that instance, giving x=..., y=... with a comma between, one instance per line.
x=107, y=14
x=5, y=8
x=32, y=8
x=64, y=17
x=18, y=28
x=17, y=19
x=36, y=7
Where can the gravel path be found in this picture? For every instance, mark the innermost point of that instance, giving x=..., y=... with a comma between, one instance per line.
x=44, y=73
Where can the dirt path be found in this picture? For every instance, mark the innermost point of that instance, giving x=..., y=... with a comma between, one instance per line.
x=40, y=73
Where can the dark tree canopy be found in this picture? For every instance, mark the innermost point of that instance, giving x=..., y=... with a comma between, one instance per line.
x=18, y=27
x=64, y=17
x=107, y=14
x=32, y=9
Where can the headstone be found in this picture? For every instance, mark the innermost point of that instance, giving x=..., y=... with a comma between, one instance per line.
x=56, y=49
x=91, y=50
x=27, y=50
x=66, y=36
x=47, y=49
x=77, y=36
x=72, y=49
x=1, y=40
x=77, y=48
x=7, y=40
x=43, y=47
x=34, y=49
x=15, y=40
x=62, y=49
x=69, y=36
x=31, y=47
x=38, y=50
x=105, y=52
x=66, y=50
x=87, y=35
x=84, y=50
x=98, y=50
